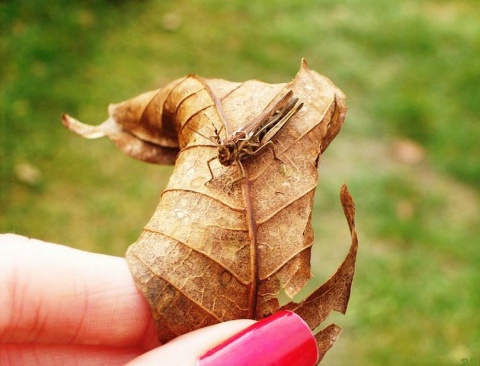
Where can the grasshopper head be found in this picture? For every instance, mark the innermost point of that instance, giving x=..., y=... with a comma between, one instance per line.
x=227, y=153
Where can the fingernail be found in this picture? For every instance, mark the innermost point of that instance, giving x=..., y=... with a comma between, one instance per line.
x=282, y=339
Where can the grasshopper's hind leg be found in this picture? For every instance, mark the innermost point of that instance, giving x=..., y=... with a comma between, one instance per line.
x=271, y=144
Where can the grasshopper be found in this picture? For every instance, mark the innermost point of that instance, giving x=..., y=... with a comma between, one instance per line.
x=256, y=135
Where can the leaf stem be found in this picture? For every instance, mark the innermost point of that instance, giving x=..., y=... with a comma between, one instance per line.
x=252, y=234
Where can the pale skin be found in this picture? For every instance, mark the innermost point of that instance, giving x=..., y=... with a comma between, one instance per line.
x=60, y=306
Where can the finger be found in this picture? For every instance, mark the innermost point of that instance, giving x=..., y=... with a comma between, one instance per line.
x=184, y=350
x=55, y=294
x=188, y=348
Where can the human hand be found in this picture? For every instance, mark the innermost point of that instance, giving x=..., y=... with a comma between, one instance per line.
x=60, y=305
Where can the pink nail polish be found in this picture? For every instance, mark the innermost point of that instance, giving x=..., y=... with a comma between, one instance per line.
x=282, y=339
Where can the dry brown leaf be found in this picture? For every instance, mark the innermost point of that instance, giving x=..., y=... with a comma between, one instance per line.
x=222, y=248
x=335, y=293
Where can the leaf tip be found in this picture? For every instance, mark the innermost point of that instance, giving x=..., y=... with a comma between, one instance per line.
x=82, y=129
x=304, y=64
x=326, y=338
x=348, y=206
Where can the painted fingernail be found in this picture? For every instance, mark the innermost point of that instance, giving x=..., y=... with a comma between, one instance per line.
x=282, y=339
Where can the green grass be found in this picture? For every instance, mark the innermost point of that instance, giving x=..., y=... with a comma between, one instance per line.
x=410, y=72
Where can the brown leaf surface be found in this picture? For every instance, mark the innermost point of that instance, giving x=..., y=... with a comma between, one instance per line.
x=221, y=250
x=325, y=339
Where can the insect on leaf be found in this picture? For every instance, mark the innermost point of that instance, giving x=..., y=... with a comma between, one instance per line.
x=224, y=250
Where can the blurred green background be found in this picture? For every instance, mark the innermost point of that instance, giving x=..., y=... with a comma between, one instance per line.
x=409, y=150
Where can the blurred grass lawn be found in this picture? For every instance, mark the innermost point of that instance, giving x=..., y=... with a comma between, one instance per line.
x=409, y=150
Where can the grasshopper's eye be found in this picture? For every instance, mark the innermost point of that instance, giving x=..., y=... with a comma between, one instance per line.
x=224, y=155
